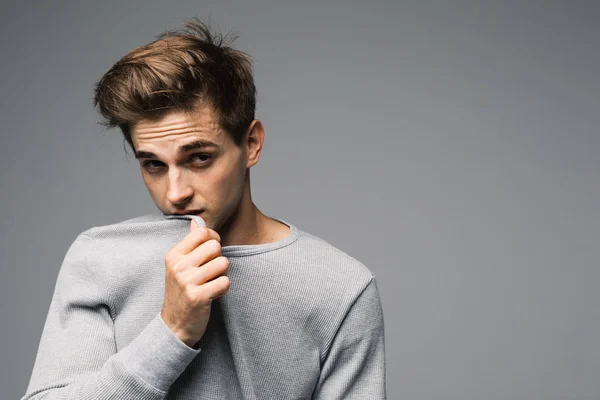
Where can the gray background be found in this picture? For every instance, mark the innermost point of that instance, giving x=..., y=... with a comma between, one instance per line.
x=451, y=146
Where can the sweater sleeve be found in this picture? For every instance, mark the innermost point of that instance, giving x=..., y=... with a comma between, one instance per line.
x=77, y=356
x=354, y=367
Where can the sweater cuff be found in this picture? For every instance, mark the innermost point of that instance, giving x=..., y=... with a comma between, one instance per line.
x=157, y=356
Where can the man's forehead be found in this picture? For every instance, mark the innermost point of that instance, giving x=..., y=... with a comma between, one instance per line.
x=202, y=120
x=179, y=129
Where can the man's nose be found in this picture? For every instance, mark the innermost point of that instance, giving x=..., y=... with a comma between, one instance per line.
x=179, y=191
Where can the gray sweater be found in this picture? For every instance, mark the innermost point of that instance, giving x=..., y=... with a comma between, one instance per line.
x=301, y=320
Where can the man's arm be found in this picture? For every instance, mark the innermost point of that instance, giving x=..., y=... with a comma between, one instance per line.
x=354, y=367
x=77, y=357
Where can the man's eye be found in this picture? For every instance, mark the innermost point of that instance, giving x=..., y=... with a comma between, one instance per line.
x=152, y=165
x=201, y=158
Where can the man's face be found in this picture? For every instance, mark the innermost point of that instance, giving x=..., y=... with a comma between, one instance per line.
x=189, y=163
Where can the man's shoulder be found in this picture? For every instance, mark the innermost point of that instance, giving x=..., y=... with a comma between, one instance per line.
x=324, y=246
x=131, y=228
x=324, y=260
x=321, y=278
x=136, y=238
x=123, y=250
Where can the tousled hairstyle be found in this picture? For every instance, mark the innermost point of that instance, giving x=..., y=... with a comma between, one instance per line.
x=180, y=70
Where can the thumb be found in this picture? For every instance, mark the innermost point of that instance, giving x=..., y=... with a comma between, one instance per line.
x=193, y=225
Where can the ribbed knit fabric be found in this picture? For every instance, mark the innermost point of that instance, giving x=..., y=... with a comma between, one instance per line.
x=301, y=320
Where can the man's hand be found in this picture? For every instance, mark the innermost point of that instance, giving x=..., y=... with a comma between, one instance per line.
x=196, y=274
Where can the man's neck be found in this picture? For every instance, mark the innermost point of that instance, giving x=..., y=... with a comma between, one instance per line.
x=249, y=226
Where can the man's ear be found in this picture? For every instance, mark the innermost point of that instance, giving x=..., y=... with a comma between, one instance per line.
x=254, y=139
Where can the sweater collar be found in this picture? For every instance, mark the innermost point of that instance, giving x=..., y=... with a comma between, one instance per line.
x=250, y=249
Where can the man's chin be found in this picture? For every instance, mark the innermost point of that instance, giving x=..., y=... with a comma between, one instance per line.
x=207, y=221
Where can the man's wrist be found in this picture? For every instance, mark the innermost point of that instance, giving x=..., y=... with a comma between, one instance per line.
x=156, y=355
x=181, y=334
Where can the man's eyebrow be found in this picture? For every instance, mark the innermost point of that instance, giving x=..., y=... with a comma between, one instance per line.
x=197, y=144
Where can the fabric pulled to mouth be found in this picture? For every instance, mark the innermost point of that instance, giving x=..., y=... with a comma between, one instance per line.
x=197, y=218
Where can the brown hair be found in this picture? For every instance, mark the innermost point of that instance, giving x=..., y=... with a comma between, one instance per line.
x=177, y=71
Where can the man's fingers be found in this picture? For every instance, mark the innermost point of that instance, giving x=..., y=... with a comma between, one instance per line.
x=209, y=271
x=213, y=289
x=194, y=238
x=200, y=255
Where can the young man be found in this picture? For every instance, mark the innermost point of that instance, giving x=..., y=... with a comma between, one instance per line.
x=210, y=298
